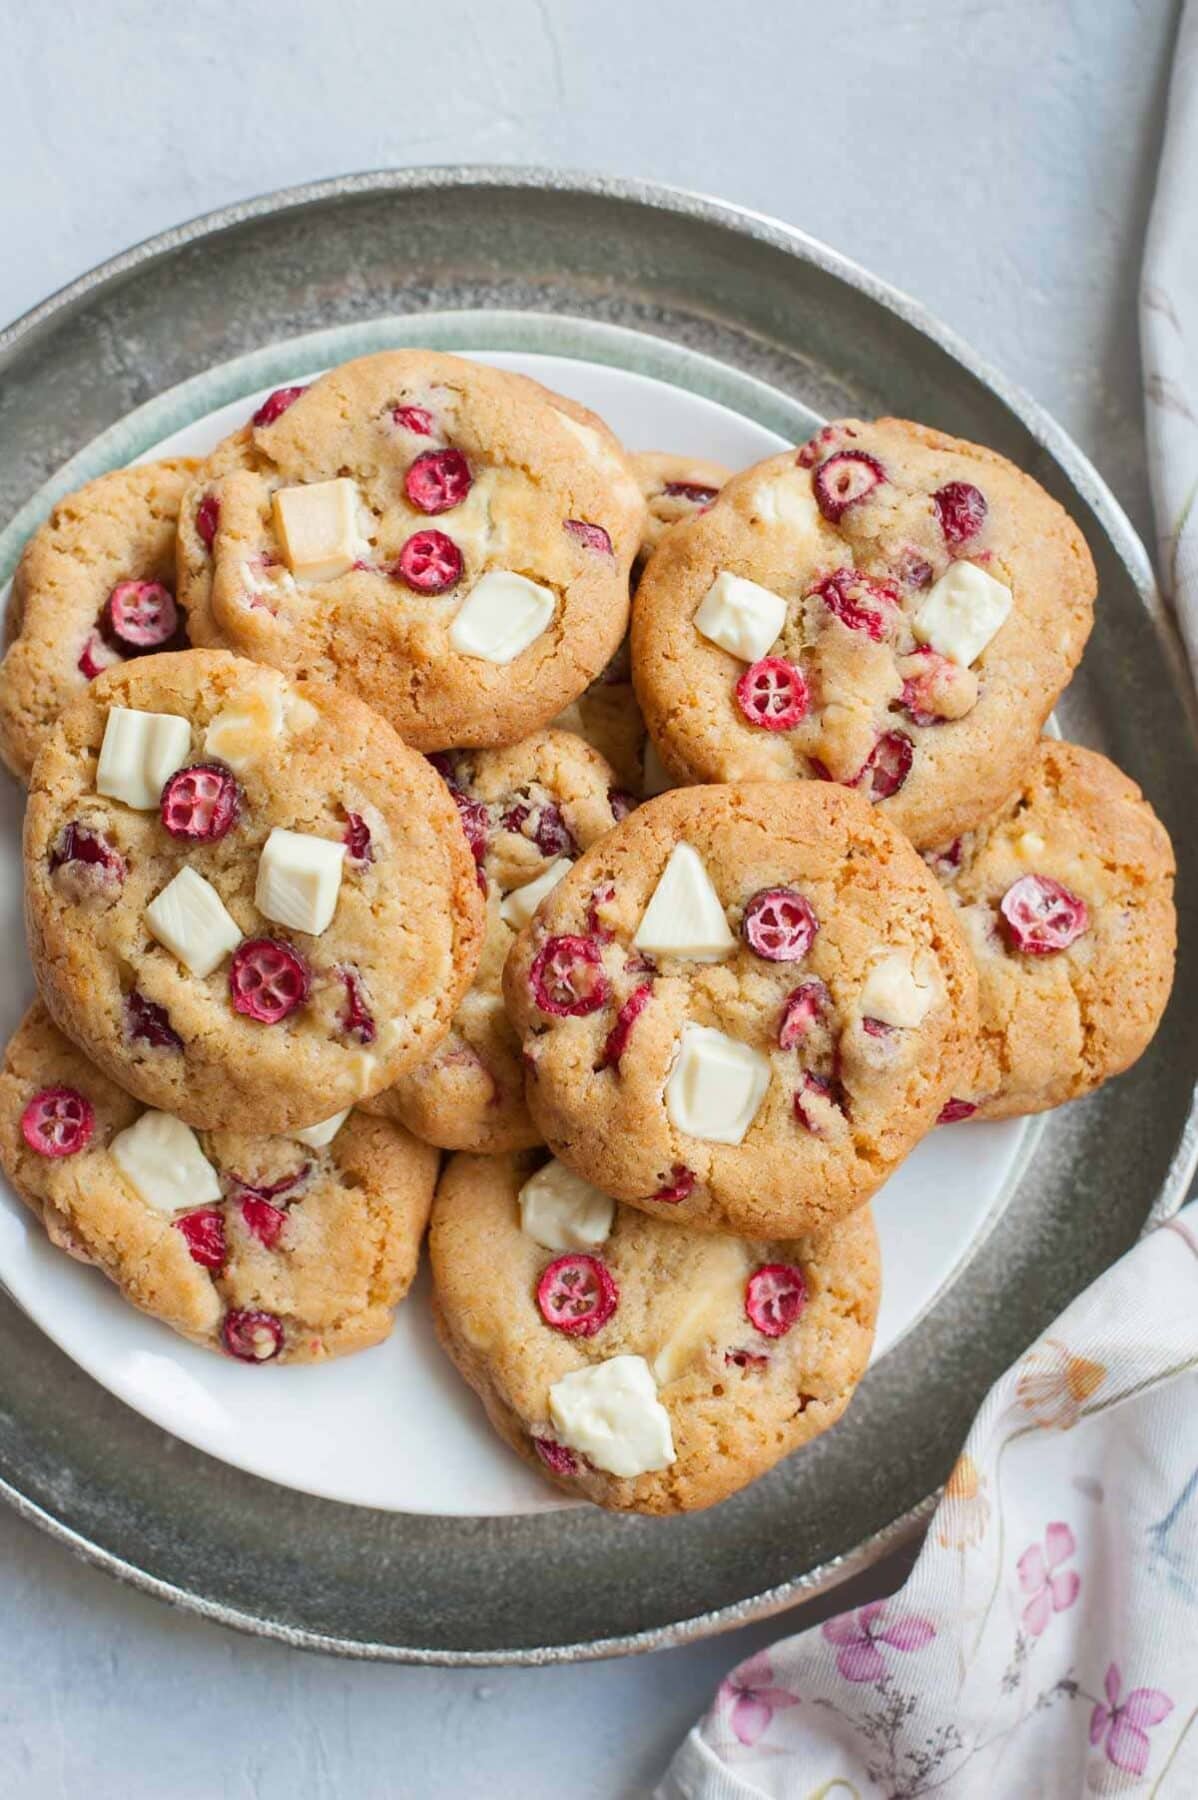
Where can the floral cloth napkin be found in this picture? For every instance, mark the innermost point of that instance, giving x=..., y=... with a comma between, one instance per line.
x=1046, y=1642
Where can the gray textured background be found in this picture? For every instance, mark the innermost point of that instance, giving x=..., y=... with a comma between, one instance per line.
x=996, y=160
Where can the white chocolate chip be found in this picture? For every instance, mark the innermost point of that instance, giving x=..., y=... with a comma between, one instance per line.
x=684, y=916
x=716, y=1086
x=318, y=528
x=901, y=988
x=245, y=731
x=610, y=1413
x=299, y=879
x=141, y=750
x=561, y=1211
x=740, y=616
x=317, y=1136
x=962, y=613
x=517, y=908
x=161, y=1159
x=191, y=920
x=501, y=616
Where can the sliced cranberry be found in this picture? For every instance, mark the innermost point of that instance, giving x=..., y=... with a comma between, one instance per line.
x=96, y=656
x=887, y=767
x=276, y=404
x=476, y=823
x=58, y=1122
x=947, y=861
x=201, y=802
x=592, y=536
x=252, y=1336
x=621, y=1031
x=208, y=520
x=694, y=491
x=844, y=480
x=746, y=1359
x=914, y=570
x=865, y=603
x=149, y=1023
x=568, y=978
x=515, y=817
x=920, y=698
x=1041, y=916
x=962, y=511
x=775, y=1296
x=438, y=480
x=877, y=1028
x=551, y=834
x=779, y=924
x=268, y=980
x=555, y=1456
x=205, y=1234
x=773, y=694
x=805, y=1009
x=359, y=848
x=416, y=419
x=356, y=1019
x=577, y=1295
x=622, y=803
x=141, y=615
x=263, y=1220
x=272, y=1190
x=816, y=1085
x=429, y=563
x=953, y=1110
x=679, y=1187
x=78, y=844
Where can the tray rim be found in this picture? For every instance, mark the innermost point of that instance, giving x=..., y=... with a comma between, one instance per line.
x=1041, y=426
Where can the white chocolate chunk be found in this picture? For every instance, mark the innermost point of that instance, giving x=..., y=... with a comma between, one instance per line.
x=161, y=1159
x=610, y=1413
x=961, y=614
x=317, y=1136
x=561, y=1211
x=901, y=989
x=703, y=1313
x=318, y=528
x=244, y=731
x=685, y=917
x=1029, y=845
x=740, y=616
x=716, y=1086
x=517, y=908
x=788, y=500
x=141, y=750
x=501, y=616
x=299, y=879
x=191, y=920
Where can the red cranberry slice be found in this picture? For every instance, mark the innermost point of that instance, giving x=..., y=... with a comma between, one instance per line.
x=914, y=570
x=276, y=404
x=141, y=615
x=150, y=1023
x=679, y=1187
x=593, y=537
x=577, y=1295
x=805, y=1009
x=555, y=1456
x=779, y=925
x=844, y=480
x=919, y=696
x=201, y=802
x=263, y=1220
x=551, y=834
x=952, y=1110
x=438, y=480
x=58, y=1122
x=861, y=602
x=746, y=1359
x=205, y=1234
x=772, y=694
x=416, y=419
x=475, y=823
x=621, y=1031
x=775, y=1296
x=1041, y=916
x=811, y=1084
x=77, y=844
x=568, y=978
x=251, y=1335
x=268, y=979
x=694, y=491
x=208, y=520
x=621, y=802
x=877, y=1028
x=887, y=767
x=429, y=563
x=271, y=1190
x=356, y=1019
x=962, y=510
x=95, y=657
x=359, y=847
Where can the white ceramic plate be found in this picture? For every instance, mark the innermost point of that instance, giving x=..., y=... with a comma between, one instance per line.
x=394, y=1428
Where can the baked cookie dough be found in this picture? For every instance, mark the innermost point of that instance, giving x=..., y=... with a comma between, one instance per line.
x=640, y=1365
x=245, y=897
x=94, y=587
x=268, y=1249
x=675, y=487
x=743, y=1007
x=448, y=541
x=1066, y=899
x=891, y=609
x=528, y=813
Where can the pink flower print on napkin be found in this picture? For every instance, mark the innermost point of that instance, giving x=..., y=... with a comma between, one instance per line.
x=1123, y=1727
x=751, y=1701
x=1050, y=1588
x=857, y=1637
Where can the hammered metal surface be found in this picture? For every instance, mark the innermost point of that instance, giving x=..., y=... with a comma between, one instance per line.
x=772, y=303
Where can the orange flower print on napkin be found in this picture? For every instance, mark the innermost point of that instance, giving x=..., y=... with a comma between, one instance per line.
x=964, y=1508
x=1053, y=1385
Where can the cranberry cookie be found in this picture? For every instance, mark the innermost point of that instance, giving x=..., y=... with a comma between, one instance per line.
x=1066, y=899
x=528, y=813
x=891, y=609
x=448, y=541
x=743, y=1007
x=642, y=1366
x=265, y=1248
x=675, y=487
x=245, y=897
x=94, y=587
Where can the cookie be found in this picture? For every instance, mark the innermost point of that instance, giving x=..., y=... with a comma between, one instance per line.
x=890, y=609
x=1066, y=899
x=743, y=1007
x=675, y=487
x=448, y=541
x=528, y=812
x=268, y=1249
x=606, y=716
x=640, y=1365
x=94, y=587
x=245, y=896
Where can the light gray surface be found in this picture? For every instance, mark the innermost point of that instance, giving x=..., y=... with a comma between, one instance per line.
x=994, y=160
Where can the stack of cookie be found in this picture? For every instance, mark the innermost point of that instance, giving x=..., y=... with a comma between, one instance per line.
x=346, y=846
